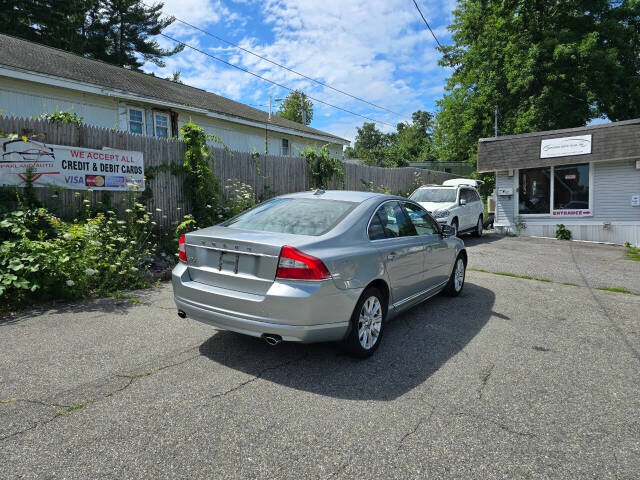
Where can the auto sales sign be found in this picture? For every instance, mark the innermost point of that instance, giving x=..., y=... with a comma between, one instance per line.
x=70, y=167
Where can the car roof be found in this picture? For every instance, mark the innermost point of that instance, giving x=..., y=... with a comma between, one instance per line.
x=344, y=195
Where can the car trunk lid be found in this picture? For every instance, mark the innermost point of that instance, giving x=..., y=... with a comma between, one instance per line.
x=235, y=259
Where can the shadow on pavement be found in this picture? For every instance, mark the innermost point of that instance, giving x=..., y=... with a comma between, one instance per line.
x=415, y=345
x=488, y=237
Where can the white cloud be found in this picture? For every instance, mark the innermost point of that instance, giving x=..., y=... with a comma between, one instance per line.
x=379, y=51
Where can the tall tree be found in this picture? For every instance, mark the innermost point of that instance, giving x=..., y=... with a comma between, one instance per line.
x=545, y=64
x=411, y=142
x=293, y=105
x=116, y=31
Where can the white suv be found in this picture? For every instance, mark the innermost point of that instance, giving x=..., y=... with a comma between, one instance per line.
x=456, y=202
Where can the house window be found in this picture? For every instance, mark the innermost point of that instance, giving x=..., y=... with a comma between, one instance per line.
x=136, y=120
x=161, y=122
x=554, y=190
x=284, y=149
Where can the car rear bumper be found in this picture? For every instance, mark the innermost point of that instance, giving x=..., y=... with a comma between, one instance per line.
x=297, y=311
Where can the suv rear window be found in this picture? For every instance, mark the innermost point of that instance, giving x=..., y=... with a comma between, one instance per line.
x=299, y=216
x=437, y=195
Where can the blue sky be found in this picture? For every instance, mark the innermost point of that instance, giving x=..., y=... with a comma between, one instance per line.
x=378, y=50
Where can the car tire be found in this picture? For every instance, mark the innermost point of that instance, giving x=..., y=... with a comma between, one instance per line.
x=454, y=224
x=456, y=280
x=371, y=310
x=479, y=227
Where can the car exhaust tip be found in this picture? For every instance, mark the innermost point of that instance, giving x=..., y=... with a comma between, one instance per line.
x=181, y=314
x=272, y=340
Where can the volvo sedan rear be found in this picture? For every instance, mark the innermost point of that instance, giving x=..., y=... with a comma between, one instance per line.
x=313, y=267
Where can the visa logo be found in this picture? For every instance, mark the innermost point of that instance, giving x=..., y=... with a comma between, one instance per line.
x=74, y=179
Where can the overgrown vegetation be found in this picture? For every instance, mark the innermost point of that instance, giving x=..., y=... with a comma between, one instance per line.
x=633, y=253
x=63, y=117
x=562, y=232
x=323, y=167
x=44, y=258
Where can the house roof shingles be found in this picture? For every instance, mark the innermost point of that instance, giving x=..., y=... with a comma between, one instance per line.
x=33, y=57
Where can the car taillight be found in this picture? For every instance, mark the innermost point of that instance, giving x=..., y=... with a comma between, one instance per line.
x=182, y=250
x=293, y=264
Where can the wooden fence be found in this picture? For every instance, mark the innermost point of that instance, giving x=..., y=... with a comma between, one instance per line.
x=268, y=175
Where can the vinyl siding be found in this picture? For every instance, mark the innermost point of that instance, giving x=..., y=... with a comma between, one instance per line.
x=504, y=204
x=614, y=182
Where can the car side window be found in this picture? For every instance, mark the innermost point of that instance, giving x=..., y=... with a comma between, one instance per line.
x=465, y=194
x=476, y=196
x=423, y=223
x=392, y=221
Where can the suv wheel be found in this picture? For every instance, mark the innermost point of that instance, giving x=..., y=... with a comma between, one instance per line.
x=454, y=224
x=479, y=227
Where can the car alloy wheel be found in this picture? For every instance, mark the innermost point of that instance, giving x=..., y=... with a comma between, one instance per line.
x=458, y=275
x=479, y=227
x=370, y=322
x=454, y=224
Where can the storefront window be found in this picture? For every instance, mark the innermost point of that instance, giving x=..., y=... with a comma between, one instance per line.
x=535, y=191
x=571, y=187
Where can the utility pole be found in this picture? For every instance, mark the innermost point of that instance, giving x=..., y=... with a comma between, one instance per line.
x=270, y=101
x=495, y=122
x=304, y=110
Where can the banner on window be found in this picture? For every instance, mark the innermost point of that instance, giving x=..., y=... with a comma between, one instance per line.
x=70, y=167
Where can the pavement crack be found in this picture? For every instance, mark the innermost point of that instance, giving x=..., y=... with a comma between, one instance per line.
x=35, y=402
x=425, y=419
x=259, y=375
x=484, y=379
x=501, y=425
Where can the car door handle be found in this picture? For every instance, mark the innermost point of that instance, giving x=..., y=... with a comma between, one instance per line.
x=428, y=248
x=392, y=256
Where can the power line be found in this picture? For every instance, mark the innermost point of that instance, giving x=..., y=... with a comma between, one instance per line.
x=427, y=24
x=285, y=67
x=270, y=81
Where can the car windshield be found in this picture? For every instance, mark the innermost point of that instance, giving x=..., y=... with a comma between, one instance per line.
x=435, y=195
x=299, y=216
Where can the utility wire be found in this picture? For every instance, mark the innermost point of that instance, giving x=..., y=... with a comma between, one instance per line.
x=427, y=24
x=285, y=67
x=270, y=81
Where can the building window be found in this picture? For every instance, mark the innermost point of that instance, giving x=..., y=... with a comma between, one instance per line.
x=569, y=190
x=136, y=121
x=284, y=149
x=535, y=191
x=571, y=187
x=161, y=123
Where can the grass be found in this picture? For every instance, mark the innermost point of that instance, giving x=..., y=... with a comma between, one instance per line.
x=70, y=409
x=617, y=290
x=633, y=253
x=546, y=280
x=513, y=275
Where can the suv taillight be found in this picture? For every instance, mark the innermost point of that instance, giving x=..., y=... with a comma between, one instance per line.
x=293, y=264
x=182, y=250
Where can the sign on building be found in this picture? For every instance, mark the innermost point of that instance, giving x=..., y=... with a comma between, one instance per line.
x=566, y=146
x=70, y=167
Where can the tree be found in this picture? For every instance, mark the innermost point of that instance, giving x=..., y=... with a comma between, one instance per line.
x=292, y=107
x=411, y=142
x=115, y=31
x=545, y=64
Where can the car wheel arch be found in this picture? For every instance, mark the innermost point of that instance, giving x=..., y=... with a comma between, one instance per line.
x=381, y=285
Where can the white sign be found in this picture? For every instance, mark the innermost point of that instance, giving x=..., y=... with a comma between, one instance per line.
x=635, y=199
x=505, y=192
x=565, y=147
x=571, y=213
x=70, y=167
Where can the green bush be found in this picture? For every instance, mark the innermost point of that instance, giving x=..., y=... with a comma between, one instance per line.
x=563, y=233
x=43, y=258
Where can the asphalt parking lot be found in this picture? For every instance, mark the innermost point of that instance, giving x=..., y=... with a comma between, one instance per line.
x=514, y=379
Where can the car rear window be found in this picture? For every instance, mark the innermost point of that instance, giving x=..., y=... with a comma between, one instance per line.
x=437, y=195
x=299, y=216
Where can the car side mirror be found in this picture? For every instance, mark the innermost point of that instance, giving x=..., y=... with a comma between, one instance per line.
x=463, y=201
x=448, y=231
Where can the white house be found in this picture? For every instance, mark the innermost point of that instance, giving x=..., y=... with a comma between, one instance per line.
x=35, y=79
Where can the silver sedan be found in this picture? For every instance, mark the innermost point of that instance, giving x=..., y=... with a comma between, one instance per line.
x=317, y=266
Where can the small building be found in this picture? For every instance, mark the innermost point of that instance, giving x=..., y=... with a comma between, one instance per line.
x=586, y=178
x=36, y=79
